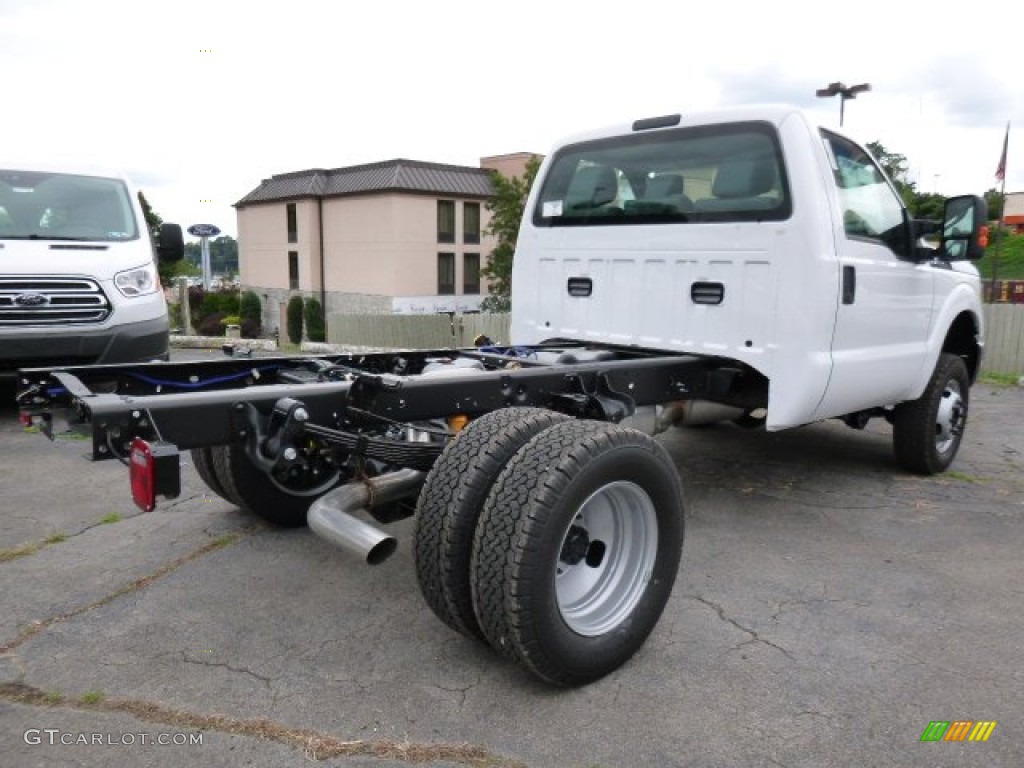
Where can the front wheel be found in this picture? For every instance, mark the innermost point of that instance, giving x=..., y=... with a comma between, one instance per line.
x=927, y=431
x=577, y=550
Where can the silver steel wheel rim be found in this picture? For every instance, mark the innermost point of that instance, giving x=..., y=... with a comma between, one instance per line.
x=950, y=417
x=606, y=558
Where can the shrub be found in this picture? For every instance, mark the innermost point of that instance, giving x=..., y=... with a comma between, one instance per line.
x=250, y=307
x=294, y=316
x=221, y=301
x=212, y=325
x=250, y=328
x=314, y=316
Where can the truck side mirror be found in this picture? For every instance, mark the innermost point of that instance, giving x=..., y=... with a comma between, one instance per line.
x=171, y=246
x=964, y=228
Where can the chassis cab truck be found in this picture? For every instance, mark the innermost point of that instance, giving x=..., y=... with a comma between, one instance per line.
x=742, y=264
x=754, y=235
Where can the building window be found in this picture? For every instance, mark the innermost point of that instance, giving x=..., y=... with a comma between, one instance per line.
x=471, y=222
x=446, y=221
x=293, y=224
x=293, y=270
x=445, y=274
x=471, y=273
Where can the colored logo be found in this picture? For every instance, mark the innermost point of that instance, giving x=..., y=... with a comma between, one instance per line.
x=958, y=730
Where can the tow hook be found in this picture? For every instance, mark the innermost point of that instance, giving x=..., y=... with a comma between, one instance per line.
x=273, y=449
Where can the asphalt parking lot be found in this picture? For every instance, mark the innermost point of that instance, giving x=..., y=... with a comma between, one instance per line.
x=829, y=607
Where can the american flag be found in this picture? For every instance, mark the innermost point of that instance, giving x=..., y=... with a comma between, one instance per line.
x=1001, y=168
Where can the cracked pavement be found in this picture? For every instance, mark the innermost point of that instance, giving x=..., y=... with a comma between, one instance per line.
x=828, y=607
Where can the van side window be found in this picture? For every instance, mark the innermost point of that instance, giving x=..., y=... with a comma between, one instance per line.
x=871, y=208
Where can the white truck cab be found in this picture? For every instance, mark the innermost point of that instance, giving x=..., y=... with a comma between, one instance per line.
x=78, y=276
x=754, y=235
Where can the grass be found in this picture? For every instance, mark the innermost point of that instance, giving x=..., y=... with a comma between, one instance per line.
x=1000, y=379
x=113, y=517
x=30, y=549
x=953, y=474
x=92, y=697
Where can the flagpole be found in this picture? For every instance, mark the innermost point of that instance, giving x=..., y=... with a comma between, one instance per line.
x=1001, y=174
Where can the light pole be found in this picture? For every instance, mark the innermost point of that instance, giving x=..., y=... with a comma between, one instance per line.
x=844, y=92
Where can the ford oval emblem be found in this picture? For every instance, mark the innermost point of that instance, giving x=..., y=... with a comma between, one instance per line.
x=30, y=300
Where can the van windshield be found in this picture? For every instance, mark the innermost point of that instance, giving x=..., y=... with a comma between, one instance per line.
x=56, y=206
x=706, y=173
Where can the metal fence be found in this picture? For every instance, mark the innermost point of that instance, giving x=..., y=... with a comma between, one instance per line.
x=415, y=331
x=1004, y=333
x=1004, y=339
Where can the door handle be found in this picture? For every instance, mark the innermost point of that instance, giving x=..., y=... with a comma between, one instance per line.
x=849, y=285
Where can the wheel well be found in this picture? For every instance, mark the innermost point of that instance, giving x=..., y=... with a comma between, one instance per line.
x=962, y=340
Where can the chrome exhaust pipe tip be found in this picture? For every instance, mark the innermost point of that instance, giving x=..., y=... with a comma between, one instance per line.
x=333, y=518
x=347, y=531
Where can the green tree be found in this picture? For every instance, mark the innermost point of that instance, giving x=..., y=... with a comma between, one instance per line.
x=294, y=318
x=922, y=205
x=895, y=167
x=314, y=316
x=994, y=201
x=224, y=255
x=167, y=271
x=506, y=209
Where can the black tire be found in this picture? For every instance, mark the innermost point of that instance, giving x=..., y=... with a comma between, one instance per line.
x=202, y=460
x=254, y=490
x=450, y=503
x=927, y=431
x=569, y=606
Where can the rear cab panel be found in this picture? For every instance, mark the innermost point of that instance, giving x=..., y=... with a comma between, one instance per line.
x=731, y=264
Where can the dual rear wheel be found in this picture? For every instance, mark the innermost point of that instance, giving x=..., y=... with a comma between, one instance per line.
x=556, y=541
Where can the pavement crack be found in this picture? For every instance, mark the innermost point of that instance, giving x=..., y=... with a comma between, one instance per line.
x=754, y=636
x=224, y=665
x=36, y=627
x=462, y=690
x=314, y=745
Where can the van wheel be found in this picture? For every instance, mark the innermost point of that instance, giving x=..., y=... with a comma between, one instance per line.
x=450, y=502
x=927, y=431
x=577, y=550
x=281, y=501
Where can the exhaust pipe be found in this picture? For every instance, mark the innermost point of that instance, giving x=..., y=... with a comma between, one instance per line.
x=332, y=515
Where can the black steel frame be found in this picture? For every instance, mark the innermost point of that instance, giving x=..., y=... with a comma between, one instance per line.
x=349, y=401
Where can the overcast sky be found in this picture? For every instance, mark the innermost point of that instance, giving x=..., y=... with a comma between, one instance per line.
x=200, y=100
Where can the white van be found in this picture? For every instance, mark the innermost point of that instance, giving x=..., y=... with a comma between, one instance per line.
x=78, y=277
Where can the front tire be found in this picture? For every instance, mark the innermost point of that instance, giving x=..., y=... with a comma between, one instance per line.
x=577, y=550
x=927, y=431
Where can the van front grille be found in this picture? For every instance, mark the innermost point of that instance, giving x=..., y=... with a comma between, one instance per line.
x=35, y=301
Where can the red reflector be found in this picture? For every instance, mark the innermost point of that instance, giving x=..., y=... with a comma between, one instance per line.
x=25, y=419
x=142, y=470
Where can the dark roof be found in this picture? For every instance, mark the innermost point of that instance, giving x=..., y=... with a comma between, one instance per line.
x=388, y=176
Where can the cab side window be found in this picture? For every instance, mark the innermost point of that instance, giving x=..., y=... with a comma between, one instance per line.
x=871, y=209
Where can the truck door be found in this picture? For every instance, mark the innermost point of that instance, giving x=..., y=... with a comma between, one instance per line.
x=885, y=307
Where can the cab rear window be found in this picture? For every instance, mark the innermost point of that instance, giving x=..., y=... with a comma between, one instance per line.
x=728, y=172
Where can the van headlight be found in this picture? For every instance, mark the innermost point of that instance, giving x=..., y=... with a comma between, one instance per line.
x=137, y=282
